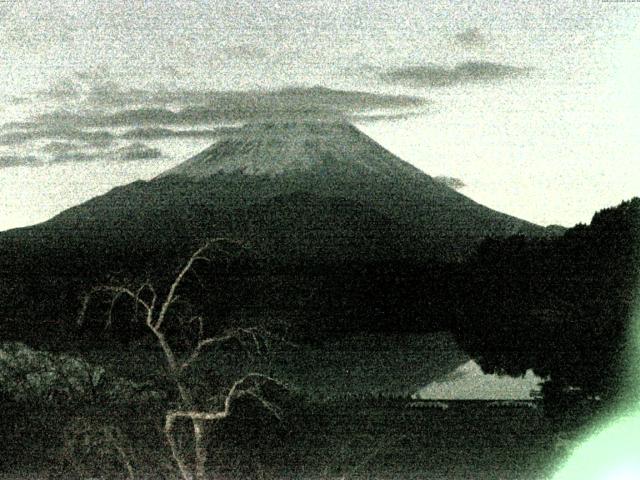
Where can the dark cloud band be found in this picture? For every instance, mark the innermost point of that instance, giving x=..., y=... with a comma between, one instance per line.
x=471, y=37
x=64, y=138
x=7, y=161
x=432, y=75
x=159, y=133
x=30, y=131
x=84, y=135
x=64, y=152
x=138, y=151
x=215, y=107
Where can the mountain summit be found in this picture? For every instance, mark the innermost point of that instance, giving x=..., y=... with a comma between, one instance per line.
x=296, y=172
x=278, y=148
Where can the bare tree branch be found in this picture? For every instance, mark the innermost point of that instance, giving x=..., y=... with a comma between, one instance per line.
x=201, y=344
x=236, y=391
x=269, y=406
x=252, y=332
x=171, y=296
x=154, y=297
x=258, y=336
x=231, y=334
x=117, y=293
x=175, y=450
x=111, y=433
x=114, y=299
x=248, y=386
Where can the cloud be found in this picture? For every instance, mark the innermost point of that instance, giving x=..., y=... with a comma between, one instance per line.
x=20, y=133
x=62, y=152
x=102, y=138
x=171, y=70
x=102, y=114
x=159, y=133
x=217, y=107
x=63, y=89
x=15, y=99
x=471, y=38
x=246, y=51
x=138, y=151
x=61, y=156
x=57, y=148
x=76, y=156
x=377, y=117
x=451, y=182
x=96, y=88
x=433, y=75
x=7, y=161
x=95, y=74
x=75, y=153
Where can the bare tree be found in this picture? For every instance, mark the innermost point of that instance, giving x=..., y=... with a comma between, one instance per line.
x=155, y=311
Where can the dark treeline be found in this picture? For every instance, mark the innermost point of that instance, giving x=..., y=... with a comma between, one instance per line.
x=309, y=301
x=561, y=306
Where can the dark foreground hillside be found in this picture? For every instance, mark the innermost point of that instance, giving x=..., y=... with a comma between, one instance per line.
x=360, y=439
x=92, y=415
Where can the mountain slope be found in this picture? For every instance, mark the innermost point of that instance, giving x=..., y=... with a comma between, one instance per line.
x=306, y=194
x=250, y=172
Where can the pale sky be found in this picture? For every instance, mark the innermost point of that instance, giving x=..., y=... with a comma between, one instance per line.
x=533, y=105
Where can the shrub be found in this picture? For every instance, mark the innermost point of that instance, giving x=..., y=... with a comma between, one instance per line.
x=31, y=376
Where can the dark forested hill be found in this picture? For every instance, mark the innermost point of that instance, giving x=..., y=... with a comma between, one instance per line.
x=563, y=307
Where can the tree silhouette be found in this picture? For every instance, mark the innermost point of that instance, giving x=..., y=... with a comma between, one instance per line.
x=155, y=309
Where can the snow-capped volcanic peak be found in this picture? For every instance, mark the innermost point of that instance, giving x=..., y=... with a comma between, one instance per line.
x=278, y=148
